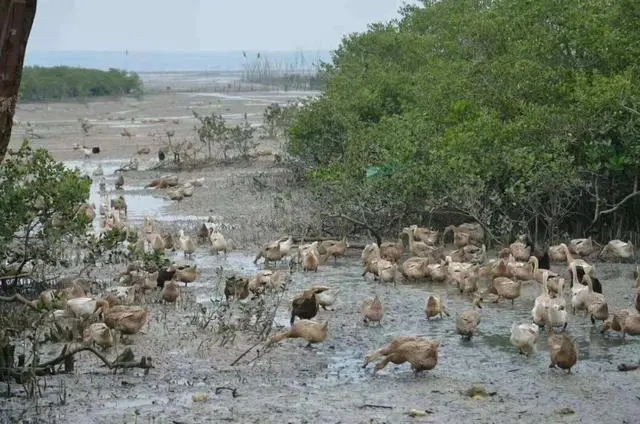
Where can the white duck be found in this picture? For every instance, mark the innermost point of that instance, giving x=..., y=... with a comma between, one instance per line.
x=524, y=337
x=539, y=311
x=187, y=244
x=327, y=298
x=218, y=242
x=81, y=307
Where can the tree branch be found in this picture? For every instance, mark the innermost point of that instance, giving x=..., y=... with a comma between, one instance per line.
x=373, y=232
x=18, y=298
x=618, y=205
x=46, y=368
x=144, y=363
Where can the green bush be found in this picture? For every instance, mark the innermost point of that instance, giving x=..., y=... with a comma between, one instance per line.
x=63, y=82
x=516, y=114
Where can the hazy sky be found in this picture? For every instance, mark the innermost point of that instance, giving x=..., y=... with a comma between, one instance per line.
x=211, y=25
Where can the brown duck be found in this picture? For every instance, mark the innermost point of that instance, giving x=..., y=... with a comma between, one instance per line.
x=305, y=305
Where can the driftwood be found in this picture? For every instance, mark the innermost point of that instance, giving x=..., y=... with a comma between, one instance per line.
x=67, y=357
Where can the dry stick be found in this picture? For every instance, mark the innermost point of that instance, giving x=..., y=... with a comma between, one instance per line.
x=145, y=362
x=243, y=354
x=18, y=298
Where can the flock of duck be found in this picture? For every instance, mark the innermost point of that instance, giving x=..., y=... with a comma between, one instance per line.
x=463, y=265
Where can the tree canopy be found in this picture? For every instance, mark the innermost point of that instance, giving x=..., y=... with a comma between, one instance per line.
x=516, y=114
x=63, y=82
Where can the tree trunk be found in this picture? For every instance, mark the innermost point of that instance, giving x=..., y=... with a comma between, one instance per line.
x=16, y=19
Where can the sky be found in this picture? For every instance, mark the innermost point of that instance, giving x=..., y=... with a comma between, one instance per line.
x=202, y=25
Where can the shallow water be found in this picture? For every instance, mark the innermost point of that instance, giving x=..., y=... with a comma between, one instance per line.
x=327, y=381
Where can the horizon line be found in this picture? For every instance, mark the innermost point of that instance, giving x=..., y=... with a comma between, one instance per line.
x=181, y=51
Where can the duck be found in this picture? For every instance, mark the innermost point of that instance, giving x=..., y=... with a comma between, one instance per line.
x=372, y=310
x=119, y=182
x=572, y=263
x=541, y=303
x=305, y=305
x=125, y=319
x=556, y=309
x=81, y=307
x=437, y=272
x=581, y=277
x=626, y=321
x=187, y=244
x=506, y=288
x=327, y=298
x=150, y=281
x=218, y=243
x=521, y=251
x=236, y=287
x=595, y=303
x=563, y=352
x=98, y=334
x=392, y=251
x=421, y=353
x=333, y=248
x=313, y=332
x=275, y=251
x=187, y=274
x=524, y=337
x=170, y=291
x=468, y=321
x=553, y=278
x=519, y=270
x=381, y=268
x=415, y=268
x=434, y=307
x=416, y=248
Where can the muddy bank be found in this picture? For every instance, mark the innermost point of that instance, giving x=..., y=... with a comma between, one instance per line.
x=327, y=383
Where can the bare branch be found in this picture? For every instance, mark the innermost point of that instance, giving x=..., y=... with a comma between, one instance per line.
x=373, y=232
x=18, y=298
x=145, y=362
x=618, y=205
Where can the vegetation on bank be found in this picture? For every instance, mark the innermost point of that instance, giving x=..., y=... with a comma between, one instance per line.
x=522, y=116
x=63, y=82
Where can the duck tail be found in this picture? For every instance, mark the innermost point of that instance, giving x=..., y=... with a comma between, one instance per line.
x=280, y=336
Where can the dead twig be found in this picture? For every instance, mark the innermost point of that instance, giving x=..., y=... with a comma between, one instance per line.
x=18, y=298
x=373, y=405
x=243, y=354
x=233, y=390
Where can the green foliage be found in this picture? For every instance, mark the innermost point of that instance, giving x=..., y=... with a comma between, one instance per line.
x=241, y=138
x=490, y=109
x=63, y=82
x=212, y=131
x=40, y=200
x=233, y=141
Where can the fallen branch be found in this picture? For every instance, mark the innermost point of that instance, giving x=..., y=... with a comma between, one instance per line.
x=233, y=390
x=373, y=405
x=243, y=354
x=46, y=368
x=18, y=298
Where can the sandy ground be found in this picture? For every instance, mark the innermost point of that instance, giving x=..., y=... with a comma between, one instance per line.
x=291, y=383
